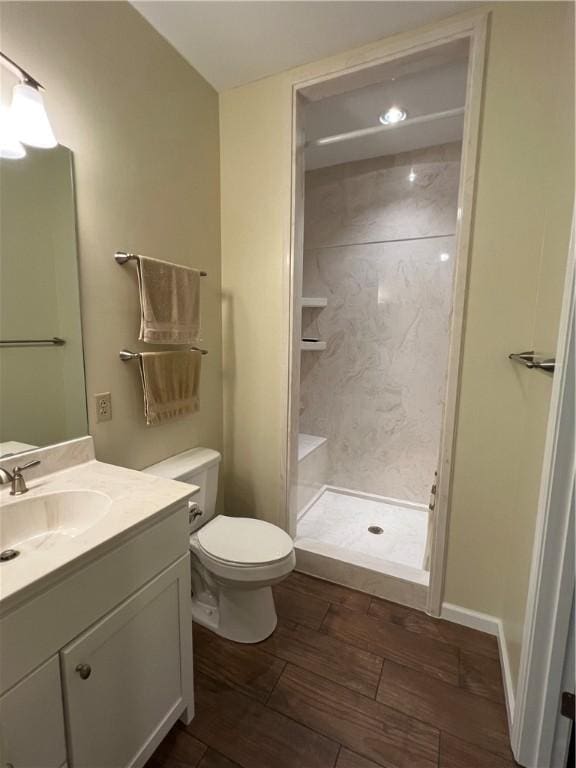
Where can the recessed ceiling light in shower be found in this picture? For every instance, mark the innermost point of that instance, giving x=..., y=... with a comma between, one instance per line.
x=392, y=116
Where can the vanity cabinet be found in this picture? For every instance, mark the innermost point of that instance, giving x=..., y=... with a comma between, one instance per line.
x=121, y=678
x=96, y=668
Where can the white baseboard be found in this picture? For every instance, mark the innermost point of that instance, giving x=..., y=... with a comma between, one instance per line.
x=473, y=619
x=492, y=626
x=506, y=675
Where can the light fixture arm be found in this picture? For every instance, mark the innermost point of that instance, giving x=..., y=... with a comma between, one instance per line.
x=24, y=76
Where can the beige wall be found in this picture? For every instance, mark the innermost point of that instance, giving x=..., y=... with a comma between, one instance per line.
x=255, y=207
x=520, y=242
x=520, y=238
x=143, y=127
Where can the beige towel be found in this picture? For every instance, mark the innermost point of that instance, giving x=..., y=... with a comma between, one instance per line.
x=169, y=302
x=170, y=381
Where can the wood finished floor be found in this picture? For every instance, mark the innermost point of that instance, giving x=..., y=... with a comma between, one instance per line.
x=345, y=681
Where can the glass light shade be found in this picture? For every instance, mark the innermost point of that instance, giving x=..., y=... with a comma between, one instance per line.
x=393, y=115
x=29, y=117
x=10, y=147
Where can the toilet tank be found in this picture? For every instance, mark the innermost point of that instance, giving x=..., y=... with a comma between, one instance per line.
x=198, y=466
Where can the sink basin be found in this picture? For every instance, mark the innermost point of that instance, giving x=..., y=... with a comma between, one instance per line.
x=43, y=522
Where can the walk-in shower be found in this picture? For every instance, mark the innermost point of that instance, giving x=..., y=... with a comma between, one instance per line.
x=380, y=218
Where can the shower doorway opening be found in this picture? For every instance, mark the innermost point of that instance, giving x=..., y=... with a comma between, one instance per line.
x=383, y=178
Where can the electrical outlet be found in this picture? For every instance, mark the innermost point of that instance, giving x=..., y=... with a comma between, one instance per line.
x=103, y=406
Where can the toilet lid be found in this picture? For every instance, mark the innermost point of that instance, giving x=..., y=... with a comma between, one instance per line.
x=244, y=540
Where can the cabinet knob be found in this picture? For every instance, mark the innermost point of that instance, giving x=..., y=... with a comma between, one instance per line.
x=84, y=670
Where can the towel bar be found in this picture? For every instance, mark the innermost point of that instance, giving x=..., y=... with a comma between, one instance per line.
x=122, y=258
x=126, y=355
x=55, y=341
x=530, y=360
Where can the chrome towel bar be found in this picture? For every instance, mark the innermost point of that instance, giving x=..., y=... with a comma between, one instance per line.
x=122, y=258
x=126, y=355
x=531, y=360
x=55, y=341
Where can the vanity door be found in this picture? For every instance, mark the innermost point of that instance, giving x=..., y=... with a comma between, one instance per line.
x=124, y=679
x=32, y=722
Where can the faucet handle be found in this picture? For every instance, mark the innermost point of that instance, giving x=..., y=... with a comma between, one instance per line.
x=34, y=463
x=17, y=478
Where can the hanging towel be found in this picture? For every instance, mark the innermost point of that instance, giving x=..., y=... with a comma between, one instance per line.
x=169, y=302
x=170, y=381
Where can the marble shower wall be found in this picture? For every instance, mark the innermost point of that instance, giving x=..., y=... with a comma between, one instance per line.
x=381, y=249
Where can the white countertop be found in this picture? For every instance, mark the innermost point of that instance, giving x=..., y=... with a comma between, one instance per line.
x=136, y=498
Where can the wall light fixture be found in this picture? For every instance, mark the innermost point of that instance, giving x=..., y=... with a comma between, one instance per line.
x=26, y=122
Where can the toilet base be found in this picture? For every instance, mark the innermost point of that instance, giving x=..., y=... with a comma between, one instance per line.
x=241, y=615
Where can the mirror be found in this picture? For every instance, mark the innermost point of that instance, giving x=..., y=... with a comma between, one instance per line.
x=42, y=385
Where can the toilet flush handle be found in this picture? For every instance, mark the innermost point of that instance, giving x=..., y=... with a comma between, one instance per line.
x=194, y=511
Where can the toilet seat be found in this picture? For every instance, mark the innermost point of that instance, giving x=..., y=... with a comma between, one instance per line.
x=243, y=552
x=244, y=541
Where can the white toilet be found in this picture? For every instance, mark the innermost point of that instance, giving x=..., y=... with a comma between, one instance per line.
x=233, y=560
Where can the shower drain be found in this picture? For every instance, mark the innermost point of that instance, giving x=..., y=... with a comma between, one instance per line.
x=375, y=529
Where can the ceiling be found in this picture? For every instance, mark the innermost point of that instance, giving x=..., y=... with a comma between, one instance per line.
x=233, y=43
x=431, y=90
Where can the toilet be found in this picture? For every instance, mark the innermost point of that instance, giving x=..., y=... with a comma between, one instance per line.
x=234, y=561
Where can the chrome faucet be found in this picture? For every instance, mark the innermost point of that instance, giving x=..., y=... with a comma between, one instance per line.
x=16, y=478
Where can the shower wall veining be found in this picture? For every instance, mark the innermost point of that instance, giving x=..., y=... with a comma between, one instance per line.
x=381, y=249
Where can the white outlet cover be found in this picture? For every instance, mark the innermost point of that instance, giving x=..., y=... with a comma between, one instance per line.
x=103, y=403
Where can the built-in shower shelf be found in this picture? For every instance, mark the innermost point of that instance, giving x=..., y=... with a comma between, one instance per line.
x=312, y=346
x=318, y=302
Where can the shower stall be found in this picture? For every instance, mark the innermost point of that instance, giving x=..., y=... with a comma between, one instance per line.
x=380, y=217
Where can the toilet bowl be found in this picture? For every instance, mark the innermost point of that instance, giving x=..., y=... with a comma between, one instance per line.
x=234, y=561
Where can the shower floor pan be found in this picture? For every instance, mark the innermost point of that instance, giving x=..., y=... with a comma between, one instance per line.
x=372, y=534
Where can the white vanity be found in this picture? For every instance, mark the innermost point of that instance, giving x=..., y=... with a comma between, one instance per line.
x=95, y=623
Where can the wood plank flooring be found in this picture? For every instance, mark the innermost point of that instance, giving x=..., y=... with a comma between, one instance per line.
x=345, y=681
